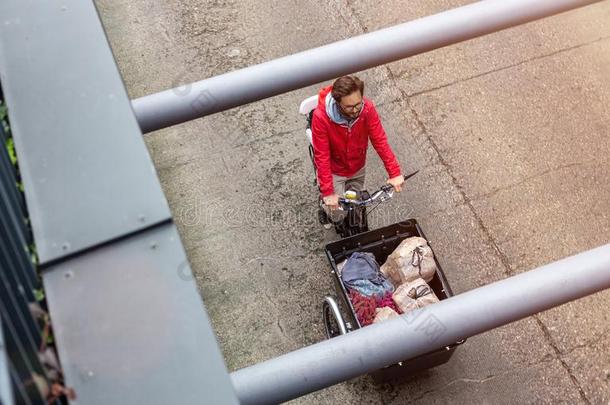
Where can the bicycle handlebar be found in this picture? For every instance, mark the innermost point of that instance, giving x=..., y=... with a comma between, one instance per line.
x=384, y=193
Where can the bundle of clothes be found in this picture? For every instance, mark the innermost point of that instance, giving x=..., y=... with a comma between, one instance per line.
x=400, y=285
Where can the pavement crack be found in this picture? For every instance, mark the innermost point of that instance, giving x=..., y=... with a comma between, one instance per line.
x=443, y=162
x=220, y=153
x=589, y=344
x=488, y=236
x=386, y=103
x=468, y=202
x=486, y=232
x=278, y=323
x=525, y=180
x=352, y=10
x=256, y=259
x=165, y=30
x=566, y=367
x=279, y=326
x=455, y=381
x=466, y=380
x=444, y=210
x=266, y=138
x=535, y=58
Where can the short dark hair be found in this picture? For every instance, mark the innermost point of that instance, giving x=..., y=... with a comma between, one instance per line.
x=346, y=85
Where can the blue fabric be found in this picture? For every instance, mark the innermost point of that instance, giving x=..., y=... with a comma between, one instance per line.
x=361, y=273
x=368, y=288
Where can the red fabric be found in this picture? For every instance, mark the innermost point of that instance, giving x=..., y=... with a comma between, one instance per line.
x=387, y=301
x=364, y=306
x=342, y=151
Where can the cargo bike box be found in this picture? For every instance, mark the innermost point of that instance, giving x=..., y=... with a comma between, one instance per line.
x=381, y=243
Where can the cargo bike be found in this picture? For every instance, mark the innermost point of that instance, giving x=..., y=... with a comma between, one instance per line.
x=339, y=316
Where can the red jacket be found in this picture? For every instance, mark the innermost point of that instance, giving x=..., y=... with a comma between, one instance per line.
x=341, y=150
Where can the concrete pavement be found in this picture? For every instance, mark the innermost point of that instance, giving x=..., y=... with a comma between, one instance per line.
x=509, y=132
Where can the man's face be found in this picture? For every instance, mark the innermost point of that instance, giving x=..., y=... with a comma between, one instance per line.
x=351, y=105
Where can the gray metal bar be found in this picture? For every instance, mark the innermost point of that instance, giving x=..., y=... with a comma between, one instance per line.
x=468, y=314
x=281, y=75
x=131, y=328
x=87, y=174
x=128, y=321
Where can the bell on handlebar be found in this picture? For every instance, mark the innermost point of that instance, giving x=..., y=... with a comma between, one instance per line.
x=351, y=195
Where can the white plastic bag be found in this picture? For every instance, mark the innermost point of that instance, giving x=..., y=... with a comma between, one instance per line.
x=384, y=313
x=412, y=259
x=414, y=294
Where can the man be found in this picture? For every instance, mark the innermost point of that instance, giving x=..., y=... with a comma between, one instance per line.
x=342, y=125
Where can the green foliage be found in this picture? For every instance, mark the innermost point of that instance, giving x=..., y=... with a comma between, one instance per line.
x=33, y=254
x=3, y=116
x=39, y=294
x=10, y=145
x=10, y=148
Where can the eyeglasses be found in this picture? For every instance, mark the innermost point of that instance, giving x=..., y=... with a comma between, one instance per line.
x=355, y=107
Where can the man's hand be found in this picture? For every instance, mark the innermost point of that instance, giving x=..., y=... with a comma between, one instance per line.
x=397, y=182
x=331, y=201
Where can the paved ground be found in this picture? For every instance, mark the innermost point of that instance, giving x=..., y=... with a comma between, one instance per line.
x=510, y=133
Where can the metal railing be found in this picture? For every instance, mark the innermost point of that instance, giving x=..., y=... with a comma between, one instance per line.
x=21, y=338
x=99, y=255
x=253, y=83
x=128, y=321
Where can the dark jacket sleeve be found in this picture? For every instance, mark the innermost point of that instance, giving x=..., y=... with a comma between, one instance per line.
x=321, y=148
x=379, y=140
